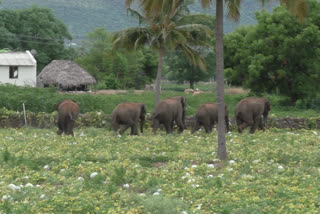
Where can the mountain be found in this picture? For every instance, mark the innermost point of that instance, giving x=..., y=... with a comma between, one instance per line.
x=83, y=16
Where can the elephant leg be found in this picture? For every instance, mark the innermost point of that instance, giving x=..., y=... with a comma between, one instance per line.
x=60, y=127
x=168, y=126
x=115, y=125
x=243, y=126
x=211, y=125
x=196, y=126
x=134, y=129
x=179, y=124
x=69, y=128
x=124, y=128
x=227, y=124
x=261, y=124
x=255, y=124
x=206, y=125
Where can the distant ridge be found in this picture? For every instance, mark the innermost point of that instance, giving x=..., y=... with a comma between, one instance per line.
x=83, y=16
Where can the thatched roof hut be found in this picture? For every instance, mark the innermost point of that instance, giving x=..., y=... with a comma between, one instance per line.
x=66, y=75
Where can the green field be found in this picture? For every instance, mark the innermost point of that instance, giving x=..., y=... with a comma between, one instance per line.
x=276, y=171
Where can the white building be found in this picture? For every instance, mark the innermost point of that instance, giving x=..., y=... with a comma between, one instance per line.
x=18, y=68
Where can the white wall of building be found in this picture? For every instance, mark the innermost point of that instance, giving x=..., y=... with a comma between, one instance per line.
x=26, y=76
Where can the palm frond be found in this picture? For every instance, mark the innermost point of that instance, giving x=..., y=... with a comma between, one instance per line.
x=136, y=14
x=234, y=9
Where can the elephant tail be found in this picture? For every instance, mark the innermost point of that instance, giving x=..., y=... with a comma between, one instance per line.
x=70, y=116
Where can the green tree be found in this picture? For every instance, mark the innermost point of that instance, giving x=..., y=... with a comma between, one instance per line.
x=114, y=68
x=34, y=28
x=278, y=55
x=297, y=7
x=162, y=30
x=180, y=69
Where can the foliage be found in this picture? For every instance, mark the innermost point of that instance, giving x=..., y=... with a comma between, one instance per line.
x=279, y=55
x=266, y=172
x=180, y=69
x=35, y=28
x=164, y=28
x=113, y=68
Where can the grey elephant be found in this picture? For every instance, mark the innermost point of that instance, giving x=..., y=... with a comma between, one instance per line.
x=167, y=112
x=129, y=114
x=207, y=116
x=68, y=112
x=252, y=111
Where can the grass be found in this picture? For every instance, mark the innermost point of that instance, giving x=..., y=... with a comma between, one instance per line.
x=275, y=171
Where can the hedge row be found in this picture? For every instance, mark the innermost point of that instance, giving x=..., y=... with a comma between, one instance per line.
x=15, y=119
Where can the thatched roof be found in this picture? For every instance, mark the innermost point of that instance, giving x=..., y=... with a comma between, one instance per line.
x=65, y=74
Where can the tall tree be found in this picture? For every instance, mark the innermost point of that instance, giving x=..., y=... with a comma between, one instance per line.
x=34, y=28
x=297, y=7
x=163, y=30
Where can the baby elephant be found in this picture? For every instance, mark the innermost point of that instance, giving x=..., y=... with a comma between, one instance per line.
x=252, y=111
x=207, y=115
x=68, y=111
x=129, y=114
x=167, y=112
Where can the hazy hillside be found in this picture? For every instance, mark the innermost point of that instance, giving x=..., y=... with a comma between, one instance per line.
x=82, y=16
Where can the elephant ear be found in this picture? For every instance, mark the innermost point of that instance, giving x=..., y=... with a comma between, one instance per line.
x=183, y=102
x=267, y=105
x=58, y=104
x=143, y=108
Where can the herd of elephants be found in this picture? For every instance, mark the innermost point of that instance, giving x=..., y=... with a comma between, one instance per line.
x=250, y=111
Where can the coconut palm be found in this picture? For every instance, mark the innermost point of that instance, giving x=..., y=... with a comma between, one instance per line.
x=162, y=28
x=296, y=7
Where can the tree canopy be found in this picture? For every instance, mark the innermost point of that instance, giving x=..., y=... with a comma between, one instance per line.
x=34, y=28
x=278, y=55
x=115, y=69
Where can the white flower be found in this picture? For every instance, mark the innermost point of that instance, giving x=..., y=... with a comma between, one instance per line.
x=119, y=135
x=13, y=187
x=94, y=174
x=156, y=193
x=247, y=177
x=199, y=207
x=187, y=174
x=186, y=168
x=46, y=167
x=221, y=175
x=38, y=185
x=147, y=149
x=126, y=186
x=280, y=167
x=232, y=162
x=62, y=170
x=81, y=134
x=184, y=212
x=142, y=194
x=210, y=165
x=80, y=179
x=275, y=139
x=194, y=166
x=29, y=185
x=212, y=153
x=99, y=113
x=230, y=169
x=215, y=160
x=159, y=190
x=314, y=132
x=210, y=176
x=5, y=197
x=43, y=196
x=255, y=161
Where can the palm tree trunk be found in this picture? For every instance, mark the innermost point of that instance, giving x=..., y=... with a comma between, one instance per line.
x=222, y=151
x=158, y=80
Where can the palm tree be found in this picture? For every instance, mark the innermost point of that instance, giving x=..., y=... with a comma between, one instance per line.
x=296, y=7
x=162, y=28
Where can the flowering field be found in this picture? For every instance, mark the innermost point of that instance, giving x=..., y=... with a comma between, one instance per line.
x=275, y=171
